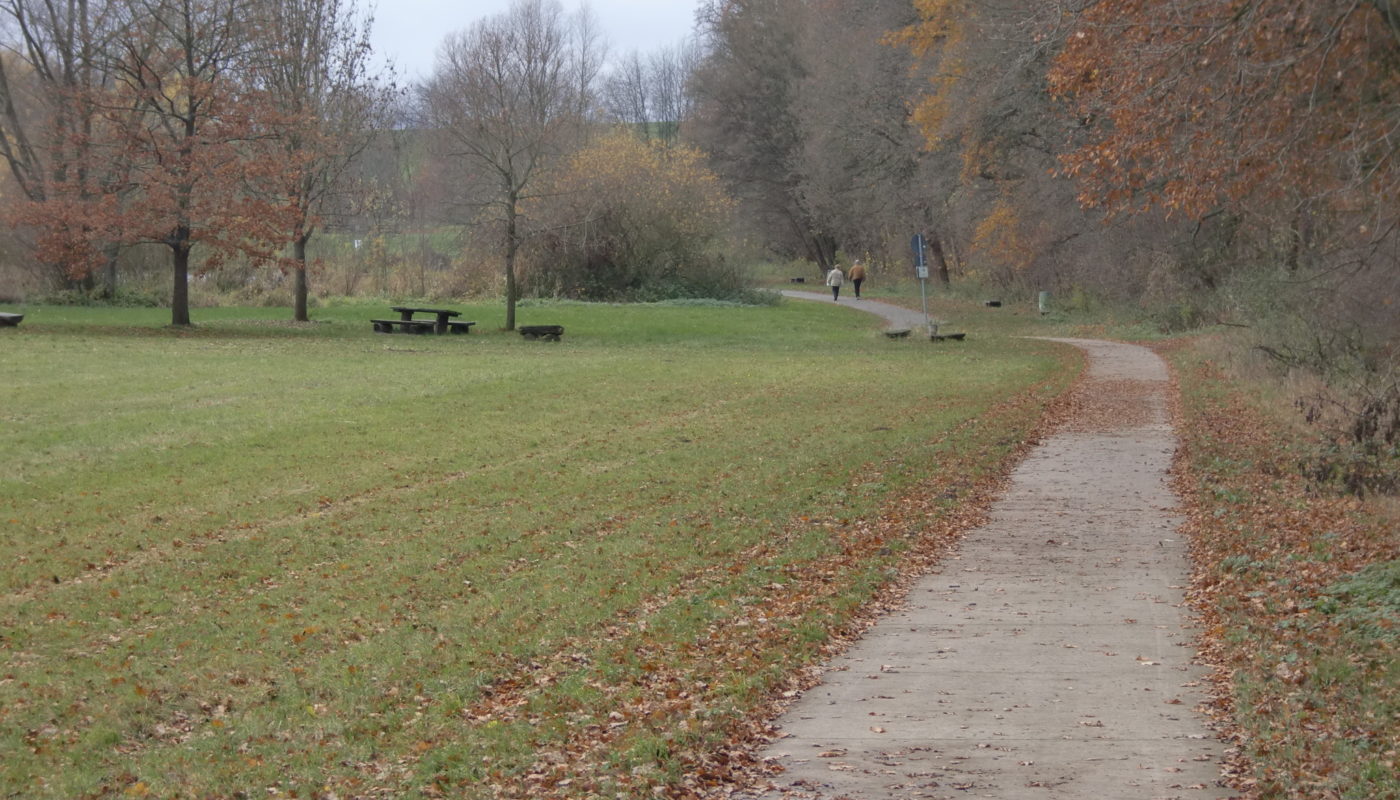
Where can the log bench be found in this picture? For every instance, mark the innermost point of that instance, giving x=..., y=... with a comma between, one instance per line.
x=938, y=337
x=11, y=320
x=550, y=333
x=453, y=326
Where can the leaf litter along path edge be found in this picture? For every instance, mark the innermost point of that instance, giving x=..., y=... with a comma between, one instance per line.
x=1050, y=655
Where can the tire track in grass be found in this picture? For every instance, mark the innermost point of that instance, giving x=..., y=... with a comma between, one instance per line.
x=179, y=723
x=674, y=697
x=235, y=531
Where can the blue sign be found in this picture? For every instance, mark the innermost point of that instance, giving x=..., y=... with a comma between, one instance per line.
x=917, y=243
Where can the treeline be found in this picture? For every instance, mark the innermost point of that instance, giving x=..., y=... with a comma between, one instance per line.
x=1230, y=163
x=213, y=129
x=228, y=133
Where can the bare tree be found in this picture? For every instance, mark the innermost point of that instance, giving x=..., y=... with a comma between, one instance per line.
x=746, y=93
x=859, y=164
x=670, y=98
x=315, y=66
x=509, y=94
x=625, y=93
x=48, y=118
x=650, y=93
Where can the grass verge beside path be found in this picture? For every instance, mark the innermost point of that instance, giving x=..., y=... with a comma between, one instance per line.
x=264, y=559
x=1300, y=589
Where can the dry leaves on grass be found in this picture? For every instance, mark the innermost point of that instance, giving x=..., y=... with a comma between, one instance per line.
x=683, y=699
x=1308, y=699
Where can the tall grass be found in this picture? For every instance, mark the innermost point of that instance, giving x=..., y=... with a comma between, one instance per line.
x=264, y=559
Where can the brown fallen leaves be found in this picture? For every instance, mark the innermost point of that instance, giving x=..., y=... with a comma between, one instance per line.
x=1309, y=698
x=701, y=707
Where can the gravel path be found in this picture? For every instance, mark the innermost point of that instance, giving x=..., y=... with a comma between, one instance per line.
x=896, y=317
x=1050, y=656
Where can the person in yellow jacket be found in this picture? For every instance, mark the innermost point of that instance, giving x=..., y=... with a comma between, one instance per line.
x=834, y=279
x=857, y=275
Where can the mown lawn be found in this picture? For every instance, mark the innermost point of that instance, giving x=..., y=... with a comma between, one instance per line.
x=257, y=559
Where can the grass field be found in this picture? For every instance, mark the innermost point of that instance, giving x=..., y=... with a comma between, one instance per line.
x=261, y=560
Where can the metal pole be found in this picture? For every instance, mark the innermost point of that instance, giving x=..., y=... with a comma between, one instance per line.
x=921, y=270
x=923, y=295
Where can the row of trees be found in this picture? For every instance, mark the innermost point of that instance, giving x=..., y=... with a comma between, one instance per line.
x=237, y=128
x=218, y=126
x=1230, y=161
x=1151, y=151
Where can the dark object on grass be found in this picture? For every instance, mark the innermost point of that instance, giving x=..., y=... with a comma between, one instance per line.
x=11, y=320
x=798, y=280
x=992, y=304
x=550, y=333
x=938, y=337
x=407, y=325
x=441, y=315
x=897, y=333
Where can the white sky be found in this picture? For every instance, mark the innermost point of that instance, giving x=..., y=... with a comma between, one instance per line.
x=408, y=32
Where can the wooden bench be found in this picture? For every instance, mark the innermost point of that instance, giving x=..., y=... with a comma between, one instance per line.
x=454, y=326
x=406, y=325
x=938, y=337
x=550, y=333
x=11, y=320
x=897, y=333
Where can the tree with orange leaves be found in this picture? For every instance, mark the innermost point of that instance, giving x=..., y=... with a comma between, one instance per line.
x=199, y=161
x=315, y=66
x=1194, y=106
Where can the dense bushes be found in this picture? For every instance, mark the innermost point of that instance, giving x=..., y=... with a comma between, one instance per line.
x=626, y=219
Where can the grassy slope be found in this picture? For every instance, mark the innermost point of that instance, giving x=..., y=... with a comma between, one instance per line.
x=1300, y=588
x=261, y=559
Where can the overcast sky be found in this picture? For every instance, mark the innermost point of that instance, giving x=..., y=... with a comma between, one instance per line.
x=408, y=32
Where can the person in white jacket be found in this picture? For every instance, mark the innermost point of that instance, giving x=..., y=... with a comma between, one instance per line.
x=834, y=279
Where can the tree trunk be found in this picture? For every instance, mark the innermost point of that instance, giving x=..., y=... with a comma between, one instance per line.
x=109, y=271
x=180, y=292
x=935, y=247
x=511, y=246
x=299, y=285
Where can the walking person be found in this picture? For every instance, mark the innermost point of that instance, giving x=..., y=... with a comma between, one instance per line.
x=857, y=275
x=834, y=279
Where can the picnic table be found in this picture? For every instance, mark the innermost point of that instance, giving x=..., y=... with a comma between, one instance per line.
x=442, y=322
x=11, y=320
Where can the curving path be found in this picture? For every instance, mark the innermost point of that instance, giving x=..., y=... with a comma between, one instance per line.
x=1050, y=656
x=896, y=316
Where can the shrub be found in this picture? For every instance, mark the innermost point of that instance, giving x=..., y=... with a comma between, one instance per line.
x=631, y=220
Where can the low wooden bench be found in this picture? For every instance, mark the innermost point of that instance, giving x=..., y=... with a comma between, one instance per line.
x=938, y=337
x=11, y=320
x=897, y=333
x=406, y=325
x=453, y=326
x=550, y=333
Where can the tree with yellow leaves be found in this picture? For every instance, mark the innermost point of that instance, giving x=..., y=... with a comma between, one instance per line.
x=627, y=219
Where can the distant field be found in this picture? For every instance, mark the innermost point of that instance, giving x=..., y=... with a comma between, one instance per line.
x=265, y=560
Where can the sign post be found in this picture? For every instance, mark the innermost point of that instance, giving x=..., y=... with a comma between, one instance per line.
x=921, y=270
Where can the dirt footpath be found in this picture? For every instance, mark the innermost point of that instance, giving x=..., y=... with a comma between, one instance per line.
x=1050, y=657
